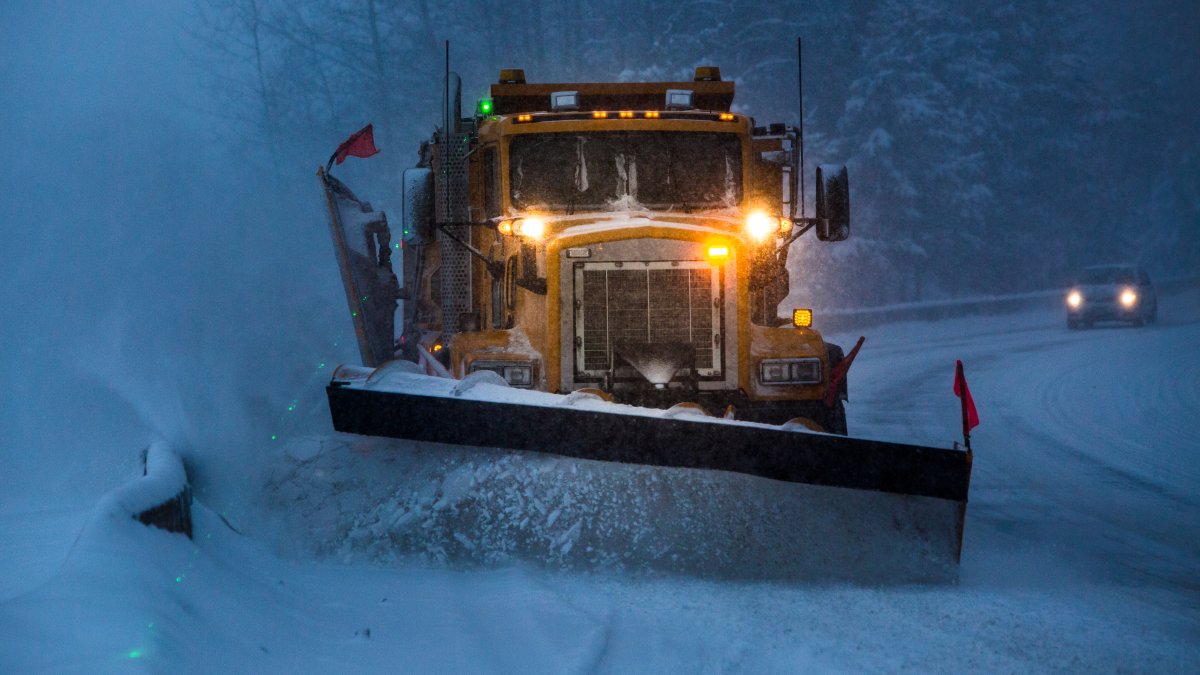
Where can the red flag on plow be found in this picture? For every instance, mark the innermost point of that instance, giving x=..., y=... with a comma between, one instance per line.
x=970, y=416
x=360, y=144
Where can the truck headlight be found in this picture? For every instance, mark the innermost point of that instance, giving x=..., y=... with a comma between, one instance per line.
x=789, y=371
x=517, y=374
x=1074, y=299
x=532, y=228
x=760, y=226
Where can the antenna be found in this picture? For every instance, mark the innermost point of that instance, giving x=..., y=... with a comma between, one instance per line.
x=446, y=97
x=800, y=127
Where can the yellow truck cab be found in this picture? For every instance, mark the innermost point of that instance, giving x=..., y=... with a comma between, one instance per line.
x=628, y=239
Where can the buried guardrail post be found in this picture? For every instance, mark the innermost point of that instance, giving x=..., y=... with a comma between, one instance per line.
x=162, y=498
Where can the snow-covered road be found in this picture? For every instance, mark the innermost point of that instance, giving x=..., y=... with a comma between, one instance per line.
x=1081, y=551
x=1089, y=452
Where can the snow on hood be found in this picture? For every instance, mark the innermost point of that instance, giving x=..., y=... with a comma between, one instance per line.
x=404, y=377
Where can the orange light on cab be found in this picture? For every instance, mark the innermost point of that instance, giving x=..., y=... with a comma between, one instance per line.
x=802, y=318
x=718, y=253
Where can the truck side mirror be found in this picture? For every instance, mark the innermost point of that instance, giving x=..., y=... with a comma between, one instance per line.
x=833, y=202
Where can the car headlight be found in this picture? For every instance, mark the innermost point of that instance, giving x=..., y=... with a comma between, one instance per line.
x=1075, y=299
x=789, y=371
x=516, y=373
x=1128, y=298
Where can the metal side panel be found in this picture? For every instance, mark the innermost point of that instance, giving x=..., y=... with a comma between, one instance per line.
x=362, y=242
x=785, y=455
x=452, y=206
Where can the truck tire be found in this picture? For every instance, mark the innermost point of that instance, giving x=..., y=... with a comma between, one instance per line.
x=835, y=355
x=834, y=419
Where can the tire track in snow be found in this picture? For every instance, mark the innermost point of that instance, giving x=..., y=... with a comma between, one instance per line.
x=1055, y=468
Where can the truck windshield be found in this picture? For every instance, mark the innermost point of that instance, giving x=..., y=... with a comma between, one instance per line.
x=1108, y=275
x=607, y=169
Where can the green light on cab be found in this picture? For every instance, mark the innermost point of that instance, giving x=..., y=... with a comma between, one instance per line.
x=485, y=107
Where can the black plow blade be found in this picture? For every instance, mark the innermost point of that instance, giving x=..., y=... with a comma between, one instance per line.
x=905, y=504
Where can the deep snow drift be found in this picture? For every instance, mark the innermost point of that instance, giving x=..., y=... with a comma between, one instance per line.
x=372, y=501
x=1081, y=542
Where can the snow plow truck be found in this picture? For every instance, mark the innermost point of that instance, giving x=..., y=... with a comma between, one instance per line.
x=623, y=245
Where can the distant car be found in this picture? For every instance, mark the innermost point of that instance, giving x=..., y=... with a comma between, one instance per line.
x=1111, y=293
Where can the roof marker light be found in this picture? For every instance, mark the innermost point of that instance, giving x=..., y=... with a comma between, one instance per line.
x=679, y=99
x=564, y=100
x=512, y=76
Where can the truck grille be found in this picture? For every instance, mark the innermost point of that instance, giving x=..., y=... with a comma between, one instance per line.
x=653, y=303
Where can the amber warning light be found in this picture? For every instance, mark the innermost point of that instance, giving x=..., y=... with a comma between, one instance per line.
x=802, y=318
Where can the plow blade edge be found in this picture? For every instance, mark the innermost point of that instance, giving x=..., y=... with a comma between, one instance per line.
x=859, y=508
x=690, y=443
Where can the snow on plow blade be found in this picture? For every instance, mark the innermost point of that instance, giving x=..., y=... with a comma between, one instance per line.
x=900, y=505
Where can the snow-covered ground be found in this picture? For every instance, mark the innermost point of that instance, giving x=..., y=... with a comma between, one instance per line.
x=1081, y=551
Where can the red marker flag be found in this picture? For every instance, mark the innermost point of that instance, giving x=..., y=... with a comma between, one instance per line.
x=360, y=144
x=970, y=416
